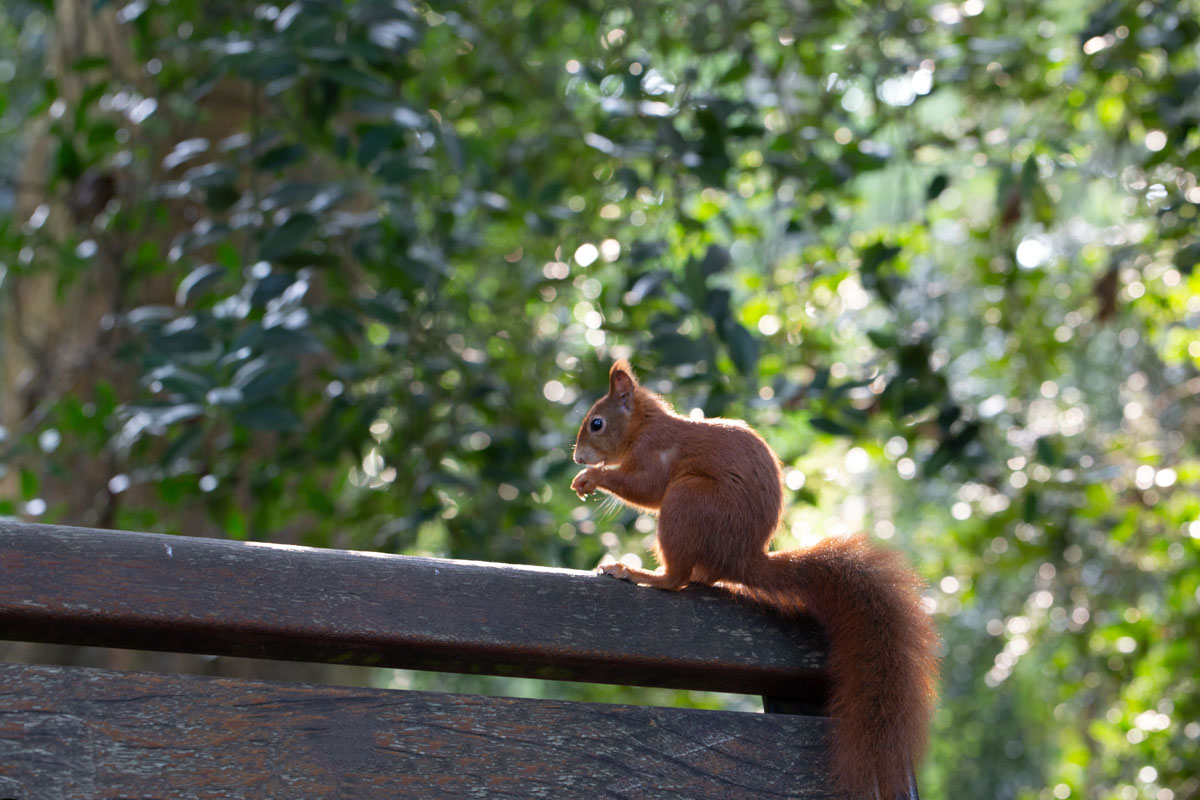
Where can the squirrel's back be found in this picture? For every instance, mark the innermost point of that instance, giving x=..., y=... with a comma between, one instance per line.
x=742, y=468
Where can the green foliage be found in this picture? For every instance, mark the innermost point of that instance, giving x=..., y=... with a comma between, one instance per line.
x=370, y=262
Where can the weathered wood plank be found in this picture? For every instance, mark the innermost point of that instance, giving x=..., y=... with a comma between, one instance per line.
x=81, y=733
x=154, y=592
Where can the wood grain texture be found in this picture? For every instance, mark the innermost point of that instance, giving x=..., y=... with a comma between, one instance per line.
x=155, y=592
x=70, y=733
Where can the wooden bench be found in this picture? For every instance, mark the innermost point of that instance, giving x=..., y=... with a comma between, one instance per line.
x=69, y=732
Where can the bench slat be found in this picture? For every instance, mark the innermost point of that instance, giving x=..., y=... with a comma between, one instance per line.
x=154, y=592
x=86, y=733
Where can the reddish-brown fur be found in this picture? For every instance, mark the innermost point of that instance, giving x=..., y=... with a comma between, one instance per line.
x=716, y=487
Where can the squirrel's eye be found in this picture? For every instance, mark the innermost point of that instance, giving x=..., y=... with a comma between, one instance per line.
x=597, y=424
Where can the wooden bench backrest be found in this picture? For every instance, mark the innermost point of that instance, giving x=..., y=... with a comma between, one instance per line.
x=70, y=732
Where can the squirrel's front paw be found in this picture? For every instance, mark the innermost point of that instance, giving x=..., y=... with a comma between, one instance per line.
x=585, y=482
x=615, y=569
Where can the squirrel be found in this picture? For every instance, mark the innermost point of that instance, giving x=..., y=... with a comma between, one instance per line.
x=717, y=489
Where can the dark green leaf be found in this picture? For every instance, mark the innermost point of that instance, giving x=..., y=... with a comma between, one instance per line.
x=176, y=379
x=877, y=255
x=717, y=305
x=936, y=187
x=1187, y=257
x=826, y=425
x=263, y=377
x=277, y=419
x=169, y=415
x=672, y=349
x=949, y=450
x=645, y=286
x=282, y=156
x=289, y=341
x=884, y=340
x=211, y=176
x=221, y=198
x=67, y=162
x=269, y=287
x=743, y=347
x=179, y=342
x=716, y=259
x=694, y=282
x=30, y=483
x=288, y=237
x=738, y=71
x=357, y=78
x=197, y=282
x=949, y=414
x=182, y=445
x=1049, y=451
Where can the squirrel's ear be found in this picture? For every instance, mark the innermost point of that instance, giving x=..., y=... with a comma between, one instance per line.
x=621, y=365
x=621, y=384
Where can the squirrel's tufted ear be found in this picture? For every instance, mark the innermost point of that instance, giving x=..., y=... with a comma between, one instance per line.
x=621, y=383
x=621, y=365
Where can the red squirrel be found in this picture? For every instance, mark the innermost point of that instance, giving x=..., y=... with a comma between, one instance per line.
x=717, y=489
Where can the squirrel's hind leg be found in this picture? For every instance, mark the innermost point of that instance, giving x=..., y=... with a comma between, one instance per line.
x=659, y=579
x=675, y=573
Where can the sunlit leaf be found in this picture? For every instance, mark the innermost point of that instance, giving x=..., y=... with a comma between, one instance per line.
x=263, y=377
x=197, y=282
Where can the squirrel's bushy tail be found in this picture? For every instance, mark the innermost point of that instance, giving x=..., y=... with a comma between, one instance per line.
x=882, y=654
